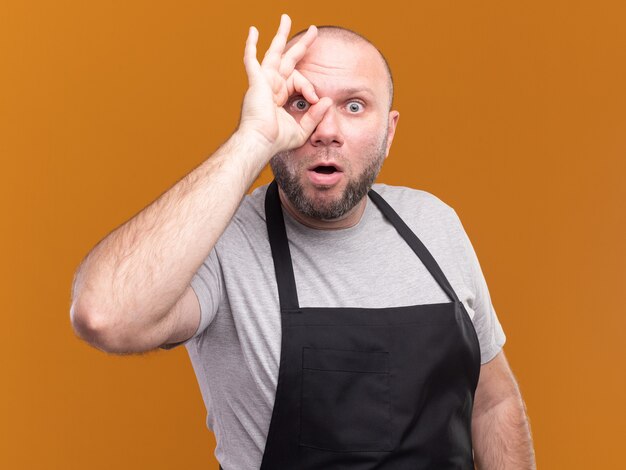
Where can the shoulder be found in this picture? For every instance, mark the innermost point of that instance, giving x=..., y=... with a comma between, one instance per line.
x=416, y=203
x=251, y=212
x=247, y=225
x=435, y=222
x=252, y=205
x=404, y=195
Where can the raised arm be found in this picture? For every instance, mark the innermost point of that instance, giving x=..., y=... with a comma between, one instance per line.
x=131, y=293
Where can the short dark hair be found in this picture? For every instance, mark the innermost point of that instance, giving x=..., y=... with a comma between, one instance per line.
x=350, y=35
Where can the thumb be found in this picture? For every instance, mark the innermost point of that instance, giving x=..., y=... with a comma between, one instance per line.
x=310, y=120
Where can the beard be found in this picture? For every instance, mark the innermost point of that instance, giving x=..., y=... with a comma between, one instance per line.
x=288, y=169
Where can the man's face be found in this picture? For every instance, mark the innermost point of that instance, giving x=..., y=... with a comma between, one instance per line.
x=334, y=169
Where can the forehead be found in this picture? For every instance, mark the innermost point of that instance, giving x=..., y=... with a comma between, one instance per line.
x=335, y=63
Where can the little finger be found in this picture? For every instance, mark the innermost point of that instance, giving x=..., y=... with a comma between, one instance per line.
x=253, y=68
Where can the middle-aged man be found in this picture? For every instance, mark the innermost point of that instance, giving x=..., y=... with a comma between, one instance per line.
x=329, y=326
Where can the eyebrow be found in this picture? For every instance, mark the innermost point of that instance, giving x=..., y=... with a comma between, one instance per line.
x=347, y=91
x=355, y=91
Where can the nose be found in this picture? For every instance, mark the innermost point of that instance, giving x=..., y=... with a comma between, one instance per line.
x=328, y=131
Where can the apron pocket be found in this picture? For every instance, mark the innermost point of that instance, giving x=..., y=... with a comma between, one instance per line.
x=345, y=404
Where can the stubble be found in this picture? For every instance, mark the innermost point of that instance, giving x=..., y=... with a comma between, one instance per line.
x=287, y=172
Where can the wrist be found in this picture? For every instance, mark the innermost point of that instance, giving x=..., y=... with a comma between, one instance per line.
x=254, y=141
x=251, y=150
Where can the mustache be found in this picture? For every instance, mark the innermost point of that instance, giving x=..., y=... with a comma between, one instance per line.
x=325, y=153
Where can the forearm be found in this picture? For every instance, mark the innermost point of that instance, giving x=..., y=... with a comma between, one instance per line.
x=501, y=437
x=132, y=283
x=133, y=277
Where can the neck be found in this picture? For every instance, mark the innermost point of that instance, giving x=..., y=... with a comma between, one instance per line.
x=349, y=219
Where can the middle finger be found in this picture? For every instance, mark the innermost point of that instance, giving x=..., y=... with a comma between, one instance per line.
x=297, y=51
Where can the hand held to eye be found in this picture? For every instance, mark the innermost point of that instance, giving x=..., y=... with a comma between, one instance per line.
x=270, y=84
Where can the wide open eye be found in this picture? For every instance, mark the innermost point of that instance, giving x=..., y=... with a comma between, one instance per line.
x=355, y=106
x=299, y=104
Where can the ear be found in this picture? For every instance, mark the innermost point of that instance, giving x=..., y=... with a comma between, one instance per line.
x=391, y=129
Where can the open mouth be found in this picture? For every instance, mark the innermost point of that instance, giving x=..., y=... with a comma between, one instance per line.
x=326, y=175
x=325, y=169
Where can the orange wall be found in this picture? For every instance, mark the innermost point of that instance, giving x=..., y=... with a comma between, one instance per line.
x=512, y=112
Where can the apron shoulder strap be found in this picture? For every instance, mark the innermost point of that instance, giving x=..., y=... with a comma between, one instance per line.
x=283, y=266
x=287, y=292
x=415, y=243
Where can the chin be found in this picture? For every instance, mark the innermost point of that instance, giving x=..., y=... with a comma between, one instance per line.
x=324, y=194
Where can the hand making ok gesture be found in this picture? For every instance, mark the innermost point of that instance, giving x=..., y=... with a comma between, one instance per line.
x=271, y=83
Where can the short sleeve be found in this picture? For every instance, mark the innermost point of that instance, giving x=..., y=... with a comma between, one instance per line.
x=207, y=286
x=488, y=328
